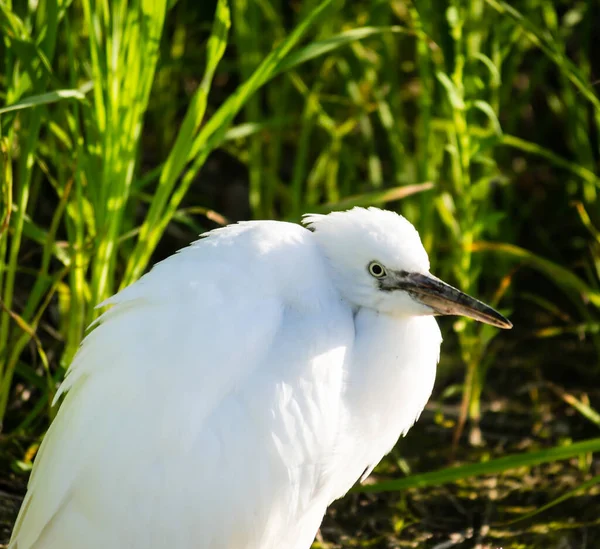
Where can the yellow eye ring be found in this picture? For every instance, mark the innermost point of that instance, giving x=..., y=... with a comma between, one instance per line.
x=377, y=269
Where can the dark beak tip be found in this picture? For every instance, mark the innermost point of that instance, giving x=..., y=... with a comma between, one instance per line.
x=497, y=320
x=501, y=321
x=508, y=325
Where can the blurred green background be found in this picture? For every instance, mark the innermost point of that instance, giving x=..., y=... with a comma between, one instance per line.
x=129, y=127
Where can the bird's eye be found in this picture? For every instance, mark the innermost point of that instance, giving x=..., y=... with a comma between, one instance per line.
x=377, y=269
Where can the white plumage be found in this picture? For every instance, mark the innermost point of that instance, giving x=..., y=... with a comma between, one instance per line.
x=232, y=393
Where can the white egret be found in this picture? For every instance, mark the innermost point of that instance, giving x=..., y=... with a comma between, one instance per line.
x=241, y=386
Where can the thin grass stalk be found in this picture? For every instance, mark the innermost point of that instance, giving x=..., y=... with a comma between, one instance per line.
x=387, y=81
x=365, y=125
x=24, y=167
x=7, y=202
x=281, y=105
x=300, y=168
x=280, y=102
x=576, y=114
x=79, y=295
x=370, y=60
x=332, y=192
x=75, y=223
x=423, y=130
x=464, y=44
x=247, y=29
x=43, y=277
x=21, y=339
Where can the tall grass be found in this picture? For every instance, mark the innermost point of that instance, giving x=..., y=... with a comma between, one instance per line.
x=110, y=114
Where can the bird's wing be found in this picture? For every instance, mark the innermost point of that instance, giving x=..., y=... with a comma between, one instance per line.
x=201, y=406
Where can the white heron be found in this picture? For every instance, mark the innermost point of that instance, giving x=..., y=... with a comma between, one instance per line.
x=241, y=386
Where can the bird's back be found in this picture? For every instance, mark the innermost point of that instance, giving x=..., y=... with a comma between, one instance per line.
x=203, y=409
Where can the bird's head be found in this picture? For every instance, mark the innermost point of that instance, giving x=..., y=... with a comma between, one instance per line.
x=378, y=261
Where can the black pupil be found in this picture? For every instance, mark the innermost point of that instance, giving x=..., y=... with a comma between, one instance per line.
x=376, y=269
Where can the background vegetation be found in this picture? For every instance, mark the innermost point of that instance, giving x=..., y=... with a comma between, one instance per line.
x=128, y=127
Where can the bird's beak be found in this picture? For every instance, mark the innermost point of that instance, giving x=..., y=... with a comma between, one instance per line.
x=447, y=300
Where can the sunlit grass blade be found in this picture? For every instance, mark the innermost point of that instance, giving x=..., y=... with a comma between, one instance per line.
x=250, y=129
x=322, y=47
x=5, y=189
x=374, y=198
x=491, y=467
x=580, y=405
x=538, y=150
x=587, y=222
x=45, y=99
x=562, y=276
x=571, y=493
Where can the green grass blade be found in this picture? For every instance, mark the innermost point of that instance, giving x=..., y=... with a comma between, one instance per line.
x=492, y=467
x=538, y=150
x=44, y=99
x=373, y=198
x=322, y=47
x=571, y=493
x=559, y=274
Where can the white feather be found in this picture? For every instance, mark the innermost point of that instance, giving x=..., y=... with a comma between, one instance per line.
x=224, y=399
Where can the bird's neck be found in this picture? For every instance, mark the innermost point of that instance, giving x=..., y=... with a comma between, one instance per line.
x=391, y=374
